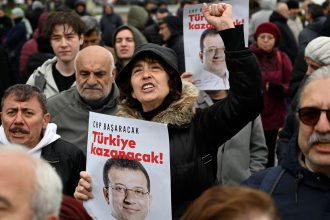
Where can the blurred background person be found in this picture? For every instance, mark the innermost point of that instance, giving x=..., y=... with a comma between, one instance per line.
x=109, y=22
x=276, y=70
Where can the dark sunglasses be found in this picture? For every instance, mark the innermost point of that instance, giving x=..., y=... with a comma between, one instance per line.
x=311, y=115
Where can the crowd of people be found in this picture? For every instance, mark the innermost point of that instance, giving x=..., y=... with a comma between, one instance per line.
x=264, y=136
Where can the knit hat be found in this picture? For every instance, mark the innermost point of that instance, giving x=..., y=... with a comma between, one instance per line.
x=270, y=28
x=165, y=54
x=319, y=50
x=37, y=5
x=18, y=12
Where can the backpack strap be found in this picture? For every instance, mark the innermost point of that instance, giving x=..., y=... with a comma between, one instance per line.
x=271, y=179
x=40, y=81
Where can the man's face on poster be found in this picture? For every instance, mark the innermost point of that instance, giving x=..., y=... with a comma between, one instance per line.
x=213, y=56
x=127, y=194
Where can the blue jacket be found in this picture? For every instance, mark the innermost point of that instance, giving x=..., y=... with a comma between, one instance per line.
x=300, y=193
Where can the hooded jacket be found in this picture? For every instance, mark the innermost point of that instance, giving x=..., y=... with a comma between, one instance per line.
x=300, y=193
x=139, y=39
x=45, y=70
x=194, y=134
x=63, y=156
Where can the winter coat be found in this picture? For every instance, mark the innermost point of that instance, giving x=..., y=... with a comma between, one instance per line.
x=287, y=41
x=276, y=70
x=45, y=70
x=311, y=31
x=194, y=134
x=64, y=157
x=71, y=113
x=243, y=154
x=300, y=193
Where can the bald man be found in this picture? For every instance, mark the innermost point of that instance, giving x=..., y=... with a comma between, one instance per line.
x=26, y=185
x=95, y=91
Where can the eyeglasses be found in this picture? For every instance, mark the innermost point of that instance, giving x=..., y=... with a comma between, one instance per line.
x=122, y=191
x=311, y=115
x=213, y=50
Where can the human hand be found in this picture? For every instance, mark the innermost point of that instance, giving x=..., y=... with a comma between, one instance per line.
x=188, y=76
x=219, y=15
x=83, y=191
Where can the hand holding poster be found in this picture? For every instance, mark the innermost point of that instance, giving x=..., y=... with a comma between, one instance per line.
x=206, y=59
x=128, y=160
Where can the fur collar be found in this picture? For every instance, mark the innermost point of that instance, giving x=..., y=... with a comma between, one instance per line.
x=179, y=112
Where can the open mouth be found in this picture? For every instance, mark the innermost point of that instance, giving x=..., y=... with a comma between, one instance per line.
x=147, y=86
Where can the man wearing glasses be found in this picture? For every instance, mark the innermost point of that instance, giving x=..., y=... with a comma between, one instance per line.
x=127, y=189
x=300, y=185
x=214, y=75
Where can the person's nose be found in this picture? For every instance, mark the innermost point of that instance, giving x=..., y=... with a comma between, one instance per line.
x=19, y=118
x=64, y=42
x=129, y=197
x=323, y=124
x=91, y=79
x=146, y=74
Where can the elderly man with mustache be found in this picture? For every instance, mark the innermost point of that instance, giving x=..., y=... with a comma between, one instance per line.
x=300, y=185
x=25, y=121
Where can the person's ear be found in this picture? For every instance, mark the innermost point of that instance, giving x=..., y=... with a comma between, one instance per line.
x=106, y=194
x=81, y=39
x=46, y=120
x=114, y=73
x=201, y=56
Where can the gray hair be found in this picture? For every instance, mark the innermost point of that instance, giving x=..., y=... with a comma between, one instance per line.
x=321, y=73
x=319, y=50
x=47, y=194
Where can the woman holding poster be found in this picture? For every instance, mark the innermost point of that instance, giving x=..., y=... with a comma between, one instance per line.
x=151, y=89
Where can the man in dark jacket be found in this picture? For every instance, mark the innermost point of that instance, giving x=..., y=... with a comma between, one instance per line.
x=300, y=185
x=25, y=121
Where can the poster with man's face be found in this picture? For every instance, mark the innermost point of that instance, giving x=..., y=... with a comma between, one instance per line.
x=129, y=162
x=205, y=49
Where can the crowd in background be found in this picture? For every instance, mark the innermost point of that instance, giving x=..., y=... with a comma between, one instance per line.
x=289, y=38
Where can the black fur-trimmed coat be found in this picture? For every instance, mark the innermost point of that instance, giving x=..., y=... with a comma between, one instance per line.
x=194, y=134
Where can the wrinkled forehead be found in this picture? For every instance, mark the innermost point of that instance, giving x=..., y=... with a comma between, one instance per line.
x=213, y=40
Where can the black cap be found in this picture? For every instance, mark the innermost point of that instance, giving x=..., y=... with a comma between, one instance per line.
x=167, y=55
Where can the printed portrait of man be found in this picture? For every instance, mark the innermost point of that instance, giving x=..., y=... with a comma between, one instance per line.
x=126, y=189
x=214, y=75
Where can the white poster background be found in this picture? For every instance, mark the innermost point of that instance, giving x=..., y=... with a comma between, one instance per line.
x=152, y=137
x=194, y=24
